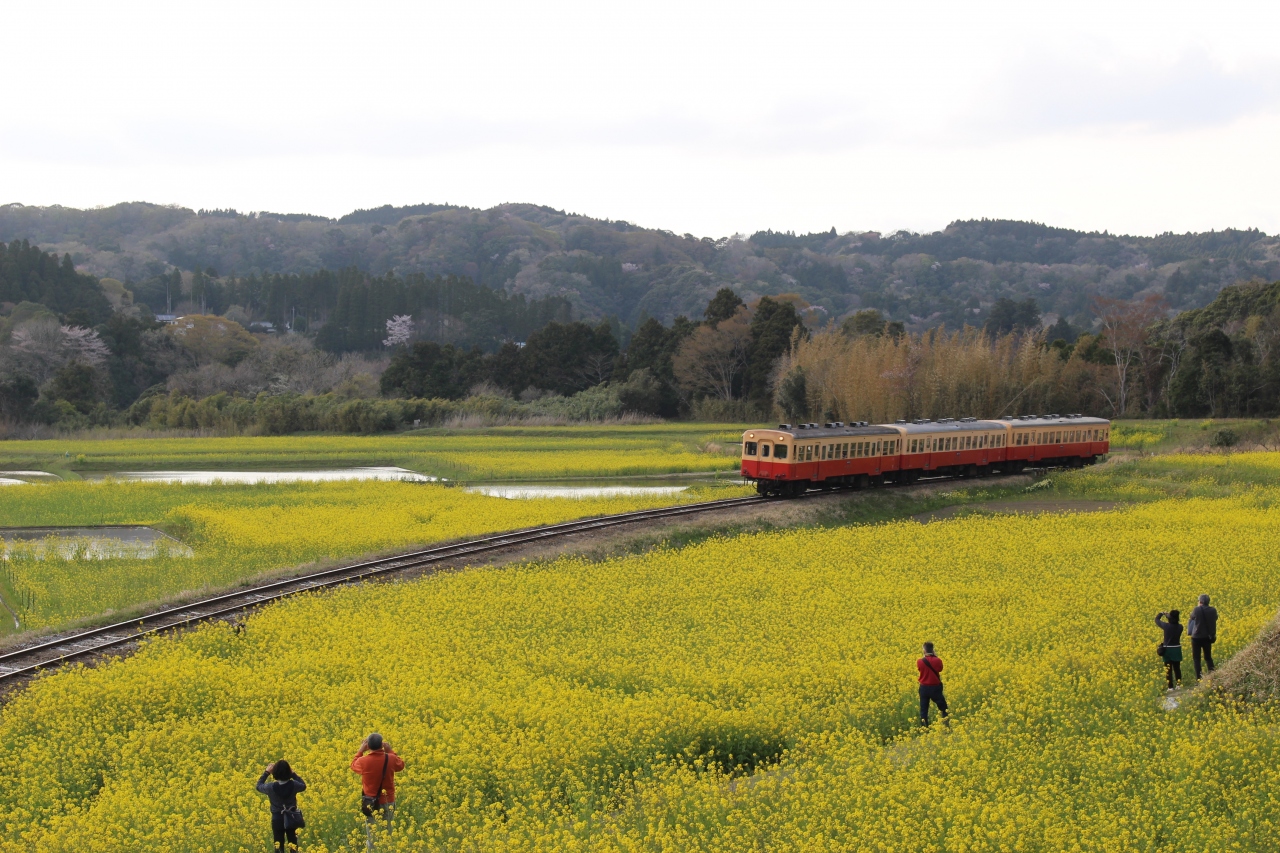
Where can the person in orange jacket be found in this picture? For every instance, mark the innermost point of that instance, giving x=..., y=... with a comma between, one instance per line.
x=377, y=765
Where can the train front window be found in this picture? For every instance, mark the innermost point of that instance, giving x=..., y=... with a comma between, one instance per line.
x=779, y=452
x=764, y=451
x=749, y=449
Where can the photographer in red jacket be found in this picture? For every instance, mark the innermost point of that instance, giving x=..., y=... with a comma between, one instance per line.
x=930, y=670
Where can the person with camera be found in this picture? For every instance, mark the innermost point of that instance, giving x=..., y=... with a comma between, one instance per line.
x=286, y=817
x=929, y=668
x=1202, y=628
x=1171, y=646
x=377, y=765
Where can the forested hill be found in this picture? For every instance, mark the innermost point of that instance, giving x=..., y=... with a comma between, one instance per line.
x=604, y=268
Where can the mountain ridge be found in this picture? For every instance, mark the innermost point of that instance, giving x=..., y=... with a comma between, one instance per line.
x=615, y=268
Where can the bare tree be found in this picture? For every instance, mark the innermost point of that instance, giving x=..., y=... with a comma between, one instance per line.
x=712, y=359
x=1124, y=334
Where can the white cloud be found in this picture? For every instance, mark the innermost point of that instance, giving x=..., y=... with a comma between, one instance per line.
x=710, y=118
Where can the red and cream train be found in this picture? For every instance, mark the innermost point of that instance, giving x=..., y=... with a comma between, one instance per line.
x=791, y=459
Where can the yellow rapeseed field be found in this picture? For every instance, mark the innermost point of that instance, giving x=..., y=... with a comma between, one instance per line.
x=238, y=532
x=744, y=694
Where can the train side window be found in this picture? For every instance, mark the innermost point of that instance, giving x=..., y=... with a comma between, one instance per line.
x=808, y=453
x=749, y=449
x=779, y=452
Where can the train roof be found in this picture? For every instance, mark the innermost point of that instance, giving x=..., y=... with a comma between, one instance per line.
x=944, y=424
x=830, y=430
x=1052, y=420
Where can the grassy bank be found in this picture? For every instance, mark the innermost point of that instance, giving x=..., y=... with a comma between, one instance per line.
x=473, y=454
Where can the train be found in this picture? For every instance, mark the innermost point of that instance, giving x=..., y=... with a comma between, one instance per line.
x=792, y=459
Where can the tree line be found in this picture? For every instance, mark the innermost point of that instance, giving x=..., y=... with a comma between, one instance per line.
x=1222, y=360
x=77, y=351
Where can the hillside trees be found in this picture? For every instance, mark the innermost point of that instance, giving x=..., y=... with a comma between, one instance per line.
x=28, y=274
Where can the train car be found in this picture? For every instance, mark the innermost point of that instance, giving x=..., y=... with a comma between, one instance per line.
x=1056, y=440
x=951, y=446
x=793, y=458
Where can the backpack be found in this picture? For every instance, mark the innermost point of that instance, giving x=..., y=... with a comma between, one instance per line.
x=291, y=816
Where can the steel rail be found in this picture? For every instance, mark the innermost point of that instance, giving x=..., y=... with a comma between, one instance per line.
x=130, y=631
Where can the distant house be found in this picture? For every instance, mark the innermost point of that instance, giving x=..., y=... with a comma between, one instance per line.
x=263, y=327
x=167, y=318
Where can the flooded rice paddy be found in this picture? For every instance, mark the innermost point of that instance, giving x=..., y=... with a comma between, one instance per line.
x=94, y=543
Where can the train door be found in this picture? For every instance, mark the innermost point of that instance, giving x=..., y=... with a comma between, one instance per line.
x=766, y=458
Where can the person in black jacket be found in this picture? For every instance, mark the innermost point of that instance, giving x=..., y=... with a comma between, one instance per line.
x=1172, y=651
x=283, y=795
x=1202, y=627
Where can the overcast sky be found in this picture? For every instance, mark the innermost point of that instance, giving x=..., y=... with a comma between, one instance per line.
x=697, y=117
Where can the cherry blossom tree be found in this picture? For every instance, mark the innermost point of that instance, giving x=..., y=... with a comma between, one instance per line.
x=399, y=330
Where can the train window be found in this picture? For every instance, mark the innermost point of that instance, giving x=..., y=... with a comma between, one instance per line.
x=779, y=452
x=764, y=451
x=749, y=449
x=808, y=453
x=844, y=451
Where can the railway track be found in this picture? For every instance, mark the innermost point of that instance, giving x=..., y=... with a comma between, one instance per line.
x=23, y=663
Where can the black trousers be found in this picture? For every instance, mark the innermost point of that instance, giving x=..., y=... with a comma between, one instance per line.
x=280, y=835
x=931, y=693
x=1172, y=670
x=1197, y=647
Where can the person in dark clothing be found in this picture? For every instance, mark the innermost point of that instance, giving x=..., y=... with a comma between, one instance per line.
x=1172, y=646
x=929, y=668
x=283, y=796
x=1202, y=628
